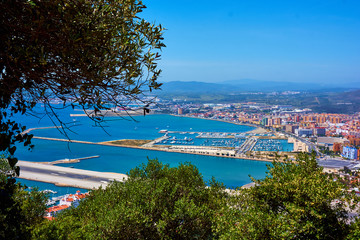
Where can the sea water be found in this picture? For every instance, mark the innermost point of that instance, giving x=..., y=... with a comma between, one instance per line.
x=58, y=191
x=232, y=172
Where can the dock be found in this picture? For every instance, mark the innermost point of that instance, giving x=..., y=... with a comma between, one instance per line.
x=248, y=145
x=38, y=128
x=152, y=143
x=110, y=113
x=72, y=160
x=63, y=140
x=65, y=176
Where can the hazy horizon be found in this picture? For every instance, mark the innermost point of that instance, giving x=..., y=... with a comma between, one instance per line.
x=232, y=81
x=302, y=41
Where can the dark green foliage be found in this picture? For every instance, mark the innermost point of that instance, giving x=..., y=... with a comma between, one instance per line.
x=294, y=201
x=156, y=202
x=20, y=210
x=92, y=54
x=84, y=53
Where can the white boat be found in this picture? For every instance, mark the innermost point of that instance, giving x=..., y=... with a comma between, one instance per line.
x=49, y=191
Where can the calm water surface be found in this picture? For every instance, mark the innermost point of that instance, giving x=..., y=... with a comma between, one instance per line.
x=232, y=172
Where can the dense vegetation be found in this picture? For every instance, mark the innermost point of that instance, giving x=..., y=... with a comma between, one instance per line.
x=294, y=201
x=20, y=210
x=90, y=54
x=156, y=202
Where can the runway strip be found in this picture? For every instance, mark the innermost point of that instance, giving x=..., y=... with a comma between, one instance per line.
x=65, y=176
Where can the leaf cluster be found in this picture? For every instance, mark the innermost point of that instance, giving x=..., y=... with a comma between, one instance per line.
x=91, y=54
x=156, y=202
x=20, y=210
x=296, y=200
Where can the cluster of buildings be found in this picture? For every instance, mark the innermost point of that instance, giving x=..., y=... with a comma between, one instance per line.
x=335, y=133
x=64, y=202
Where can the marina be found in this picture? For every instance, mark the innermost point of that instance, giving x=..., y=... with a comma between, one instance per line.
x=242, y=142
x=247, y=145
x=208, y=154
x=60, y=203
x=273, y=145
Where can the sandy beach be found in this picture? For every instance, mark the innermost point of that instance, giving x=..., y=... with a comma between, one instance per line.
x=258, y=130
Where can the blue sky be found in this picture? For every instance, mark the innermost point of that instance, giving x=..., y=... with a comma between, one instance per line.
x=289, y=40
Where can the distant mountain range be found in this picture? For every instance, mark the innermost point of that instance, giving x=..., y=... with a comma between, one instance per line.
x=320, y=98
x=248, y=85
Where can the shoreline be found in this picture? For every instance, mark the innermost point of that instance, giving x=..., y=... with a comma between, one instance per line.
x=108, y=143
x=211, y=153
x=263, y=130
x=193, y=153
x=256, y=130
x=219, y=120
x=151, y=148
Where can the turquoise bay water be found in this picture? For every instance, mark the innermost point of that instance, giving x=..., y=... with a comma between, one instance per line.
x=60, y=191
x=232, y=172
x=142, y=127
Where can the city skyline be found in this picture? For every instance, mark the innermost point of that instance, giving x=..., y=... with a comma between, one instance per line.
x=307, y=41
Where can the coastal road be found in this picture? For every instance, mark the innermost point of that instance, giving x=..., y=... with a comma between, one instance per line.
x=65, y=176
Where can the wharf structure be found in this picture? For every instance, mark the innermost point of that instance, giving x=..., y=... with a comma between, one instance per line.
x=223, y=144
x=65, y=176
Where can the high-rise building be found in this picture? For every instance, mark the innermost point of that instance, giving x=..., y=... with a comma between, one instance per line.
x=349, y=153
x=309, y=118
x=277, y=121
x=335, y=119
x=291, y=128
x=319, y=131
x=320, y=119
x=304, y=132
x=264, y=121
x=354, y=141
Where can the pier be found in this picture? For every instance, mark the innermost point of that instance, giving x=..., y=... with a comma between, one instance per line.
x=73, y=160
x=151, y=144
x=64, y=140
x=38, y=128
x=110, y=113
x=65, y=176
x=235, y=146
x=208, y=134
x=248, y=145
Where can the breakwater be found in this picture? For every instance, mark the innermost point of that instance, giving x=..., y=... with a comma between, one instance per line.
x=67, y=160
x=197, y=150
x=64, y=176
x=231, y=171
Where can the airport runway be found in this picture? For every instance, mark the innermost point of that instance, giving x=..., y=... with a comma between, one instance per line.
x=65, y=176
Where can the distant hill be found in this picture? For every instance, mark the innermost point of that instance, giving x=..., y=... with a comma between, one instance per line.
x=246, y=85
x=350, y=96
x=270, y=86
x=314, y=96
